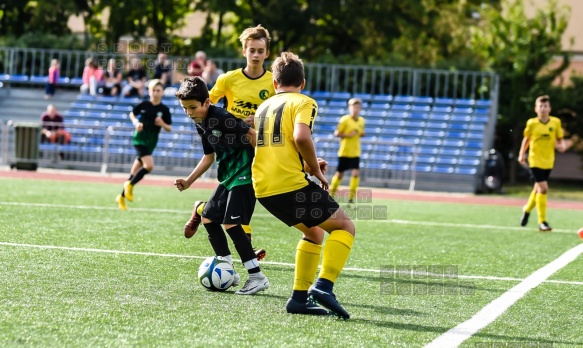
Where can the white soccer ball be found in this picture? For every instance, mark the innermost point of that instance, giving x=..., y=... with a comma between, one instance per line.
x=216, y=273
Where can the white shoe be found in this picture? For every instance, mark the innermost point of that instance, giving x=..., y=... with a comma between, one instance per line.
x=256, y=282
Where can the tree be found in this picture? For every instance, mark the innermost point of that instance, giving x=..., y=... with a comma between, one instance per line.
x=519, y=49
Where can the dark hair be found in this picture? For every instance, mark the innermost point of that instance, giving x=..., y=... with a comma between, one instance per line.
x=193, y=88
x=288, y=70
x=543, y=99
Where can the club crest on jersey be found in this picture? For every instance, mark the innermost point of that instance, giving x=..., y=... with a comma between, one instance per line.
x=550, y=129
x=217, y=133
x=264, y=94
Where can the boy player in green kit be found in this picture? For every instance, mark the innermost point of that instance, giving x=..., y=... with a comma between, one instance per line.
x=245, y=89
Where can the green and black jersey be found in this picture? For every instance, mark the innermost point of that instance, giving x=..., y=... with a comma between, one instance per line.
x=146, y=112
x=224, y=135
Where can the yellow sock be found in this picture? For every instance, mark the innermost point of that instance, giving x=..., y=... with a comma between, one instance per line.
x=336, y=251
x=246, y=228
x=531, y=202
x=200, y=208
x=307, y=260
x=353, y=186
x=334, y=185
x=541, y=207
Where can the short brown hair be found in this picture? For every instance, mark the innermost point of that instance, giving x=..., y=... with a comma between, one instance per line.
x=193, y=88
x=543, y=99
x=288, y=70
x=255, y=33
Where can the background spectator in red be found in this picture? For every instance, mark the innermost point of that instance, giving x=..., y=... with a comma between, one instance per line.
x=92, y=77
x=53, y=130
x=196, y=67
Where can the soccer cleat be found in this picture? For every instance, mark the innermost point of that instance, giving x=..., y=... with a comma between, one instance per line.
x=121, y=202
x=260, y=253
x=544, y=227
x=310, y=307
x=351, y=201
x=524, y=219
x=191, y=225
x=128, y=190
x=328, y=300
x=256, y=282
x=236, y=279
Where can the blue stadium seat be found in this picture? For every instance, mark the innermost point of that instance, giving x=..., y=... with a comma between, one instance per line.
x=379, y=106
x=376, y=114
x=386, y=98
x=431, y=142
x=337, y=103
x=39, y=79
x=426, y=150
x=413, y=124
x=453, y=143
x=63, y=80
x=420, y=108
x=464, y=102
x=480, y=119
x=471, y=152
x=474, y=144
x=455, y=135
x=321, y=102
x=365, y=97
x=436, y=125
x=443, y=169
x=73, y=113
x=412, y=132
x=418, y=116
x=458, y=126
x=321, y=95
x=443, y=101
x=422, y=168
x=422, y=100
x=444, y=151
x=17, y=78
x=375, y=122
x=465, y=170
x=483, y=103
x=400, y=107
x=86, y=97
x=467, y=161
x=475, y=135
x=462, y=110
x=344, y=96
x=441, y=109
x=5, y=77
x=76, y=81
x=424, y=159
x=396, y=115
x=477, y=127
x=446, y=160
x=403, y=99
x=433, y=134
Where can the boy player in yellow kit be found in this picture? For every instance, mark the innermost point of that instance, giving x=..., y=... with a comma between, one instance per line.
x=245, y=89
x=350, y=129
x=542, y=134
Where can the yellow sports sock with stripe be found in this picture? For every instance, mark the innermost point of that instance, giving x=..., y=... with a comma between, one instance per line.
x=336, y=252
x=334, y=185
x=531, y=202
x=200, y=208
x=353, y=186
x=541, y=207
x=307, y=260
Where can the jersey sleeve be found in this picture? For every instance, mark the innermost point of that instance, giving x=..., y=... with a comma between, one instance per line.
x=341, y=127
x=167, y=116
x=218, y=90
x=560, y=134
x=306, y=114
x=136, y=109
x=206, y=146
x=528, y=129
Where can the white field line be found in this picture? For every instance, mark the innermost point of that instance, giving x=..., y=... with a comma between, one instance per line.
x=349, y=269
x=457, y=335
x=185, y=212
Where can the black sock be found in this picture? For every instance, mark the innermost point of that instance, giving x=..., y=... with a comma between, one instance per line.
x=248, y=236
x=217, y=239
x=139, y=176
x=300, y=295
x=324, y=284
x=243, y=245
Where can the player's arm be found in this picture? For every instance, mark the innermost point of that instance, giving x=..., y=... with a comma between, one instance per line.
x=218, y=90
x=203, y=165
x=522, y=151
x=139, y=126
x=160, y=122
x=252, y=137
x=306, y=148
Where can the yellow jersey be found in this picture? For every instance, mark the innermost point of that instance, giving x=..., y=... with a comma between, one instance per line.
x=244, y=94
x=350, y=146
x=278, y=166
x=543, y=137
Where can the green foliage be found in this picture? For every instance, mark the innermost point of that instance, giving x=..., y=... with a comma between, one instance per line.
x=43, y=40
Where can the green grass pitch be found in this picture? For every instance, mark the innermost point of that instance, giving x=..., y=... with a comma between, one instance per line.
x=77, y=272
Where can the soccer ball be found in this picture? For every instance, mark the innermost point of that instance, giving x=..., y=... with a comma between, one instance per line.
x=216, y=274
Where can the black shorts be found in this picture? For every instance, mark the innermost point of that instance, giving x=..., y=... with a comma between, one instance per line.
x=539, y=174
x=233, y=207
x=142, y=151
x=345, y=163
x=310, y=205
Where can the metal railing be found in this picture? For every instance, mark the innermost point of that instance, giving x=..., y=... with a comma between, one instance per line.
x=319, y=77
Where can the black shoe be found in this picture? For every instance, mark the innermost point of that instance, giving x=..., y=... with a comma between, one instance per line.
x=294, y=307
x=544, y=227
x=327, y=300
x=524, y=219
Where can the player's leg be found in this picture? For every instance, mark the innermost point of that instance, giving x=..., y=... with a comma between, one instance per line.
x=337, y=178
x=127, y=191
x=212, y=217
x=541, y=206
x=239, y=209
x=530, y=204
x=260, y=253
x=192, y=224
x=354, y=179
